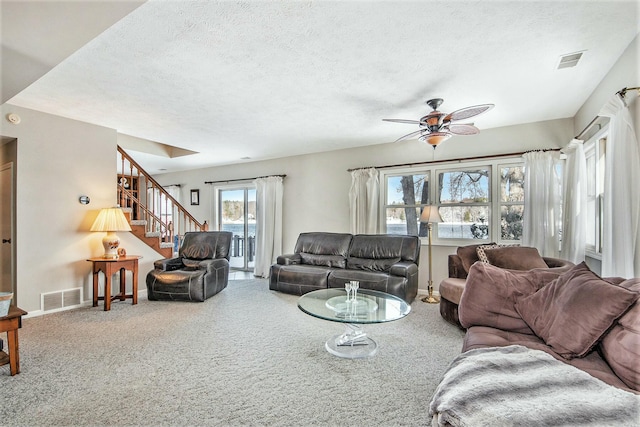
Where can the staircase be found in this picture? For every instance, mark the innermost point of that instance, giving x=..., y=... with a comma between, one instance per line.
x=155, y=216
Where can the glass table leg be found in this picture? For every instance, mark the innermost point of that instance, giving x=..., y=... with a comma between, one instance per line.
x=352, y=344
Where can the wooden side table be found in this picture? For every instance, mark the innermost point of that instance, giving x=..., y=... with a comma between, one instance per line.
x=109, y=266
x=10, y=324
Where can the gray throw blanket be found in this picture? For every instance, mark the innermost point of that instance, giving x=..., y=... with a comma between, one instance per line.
x=517, y=386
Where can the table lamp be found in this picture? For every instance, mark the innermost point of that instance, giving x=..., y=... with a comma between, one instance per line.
x=430, y=215
x=111, y=220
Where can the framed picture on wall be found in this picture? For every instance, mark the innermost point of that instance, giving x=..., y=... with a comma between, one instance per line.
x=195, y=197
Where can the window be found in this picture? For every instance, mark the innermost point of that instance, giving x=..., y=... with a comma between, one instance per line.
x=595, y=152
x=405, y=195
x=511, y=201
x=464, y=197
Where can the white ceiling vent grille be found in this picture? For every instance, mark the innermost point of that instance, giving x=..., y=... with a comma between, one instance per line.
x=569, y=60
x=61, y=300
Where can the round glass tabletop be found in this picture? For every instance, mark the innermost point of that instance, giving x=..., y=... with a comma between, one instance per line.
x=368, y=307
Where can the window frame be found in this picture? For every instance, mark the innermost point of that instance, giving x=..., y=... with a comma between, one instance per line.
x=498, y=216
x=596, y=146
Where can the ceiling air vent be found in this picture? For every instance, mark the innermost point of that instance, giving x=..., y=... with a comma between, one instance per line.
x=569, y=60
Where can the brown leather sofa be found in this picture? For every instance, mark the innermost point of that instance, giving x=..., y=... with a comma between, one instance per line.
x=381, y=262
x=200, y=271
x=451, y=288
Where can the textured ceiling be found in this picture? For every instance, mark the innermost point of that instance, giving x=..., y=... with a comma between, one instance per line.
x=272, y=79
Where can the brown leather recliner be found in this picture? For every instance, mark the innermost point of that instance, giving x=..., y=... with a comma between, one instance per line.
x=200, y=271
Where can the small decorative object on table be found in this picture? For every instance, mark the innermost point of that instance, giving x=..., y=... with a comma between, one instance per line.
x=5, y=302
x=354, y=287
x=122, y=252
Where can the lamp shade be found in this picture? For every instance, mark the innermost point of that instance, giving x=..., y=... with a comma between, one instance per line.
x=430, y=214
x=111, y=219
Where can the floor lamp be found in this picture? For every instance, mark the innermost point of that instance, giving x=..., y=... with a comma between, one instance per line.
x=430, y=215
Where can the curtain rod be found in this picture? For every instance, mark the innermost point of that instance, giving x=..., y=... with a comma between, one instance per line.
x=242, y=179
x=587, y=127
x=622, y=92
x=460, y=159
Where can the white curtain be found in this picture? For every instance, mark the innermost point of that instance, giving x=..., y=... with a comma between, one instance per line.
x=542, y=205
x=363, y=201
x=621, y=194
x=268, y=223
x=574, y=203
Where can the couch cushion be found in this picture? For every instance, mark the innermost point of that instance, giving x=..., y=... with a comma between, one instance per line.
x=451, y=289
x=482, y=337
x=469, y=255
x=514, y=257
x=378, y=252
x=298, y=279
x=621, y=346
x=573, y=312
x=381, y=265
x=320, y=243
x=490, y=295
x=376, y=281
x=336, y=261
x=201, y=245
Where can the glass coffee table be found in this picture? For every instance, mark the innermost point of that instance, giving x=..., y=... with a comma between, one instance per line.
x=368, y=307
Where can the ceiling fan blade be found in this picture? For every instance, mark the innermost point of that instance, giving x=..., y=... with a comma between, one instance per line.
x=409, y=135
x=463, y=129
x=465, y=113
x=411, y=122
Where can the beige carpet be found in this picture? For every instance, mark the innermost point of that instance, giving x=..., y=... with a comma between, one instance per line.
x=247, y=356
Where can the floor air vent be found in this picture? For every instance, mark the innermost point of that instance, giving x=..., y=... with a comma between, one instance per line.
x=61, y=300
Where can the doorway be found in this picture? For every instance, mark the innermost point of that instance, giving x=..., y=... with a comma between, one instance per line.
x=6, y=229
x=237, y=213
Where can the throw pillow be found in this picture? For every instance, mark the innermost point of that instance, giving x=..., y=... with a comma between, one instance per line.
x=573, y=312
x=621, y=345
x=482, y=256
x=514, y=258
x=490, y=294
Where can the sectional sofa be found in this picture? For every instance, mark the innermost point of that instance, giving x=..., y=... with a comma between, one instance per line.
x=544, y=346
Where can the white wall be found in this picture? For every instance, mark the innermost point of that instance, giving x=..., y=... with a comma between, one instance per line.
x=317, y=185
x=59, y=160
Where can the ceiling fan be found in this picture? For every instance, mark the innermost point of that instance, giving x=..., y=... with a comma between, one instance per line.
x=437, y=127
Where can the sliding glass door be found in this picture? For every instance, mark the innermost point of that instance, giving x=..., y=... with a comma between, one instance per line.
x=237, y=213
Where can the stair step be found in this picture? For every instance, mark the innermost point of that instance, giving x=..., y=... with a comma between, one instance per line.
x=152, y=234
x=138, y=222
x=166, y=245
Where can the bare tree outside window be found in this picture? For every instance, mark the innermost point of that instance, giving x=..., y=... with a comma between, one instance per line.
x=464, y=204
x=511, y=202
x=406, y=195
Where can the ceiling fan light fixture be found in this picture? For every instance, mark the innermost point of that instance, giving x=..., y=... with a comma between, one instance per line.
x=435, y=138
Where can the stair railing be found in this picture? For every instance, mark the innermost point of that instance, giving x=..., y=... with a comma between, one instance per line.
x=151, y=204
